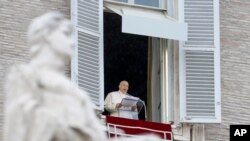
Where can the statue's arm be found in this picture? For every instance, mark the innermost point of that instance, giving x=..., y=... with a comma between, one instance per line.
x=44, y=126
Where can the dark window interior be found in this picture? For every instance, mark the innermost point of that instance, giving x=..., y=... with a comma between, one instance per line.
x=125, y=58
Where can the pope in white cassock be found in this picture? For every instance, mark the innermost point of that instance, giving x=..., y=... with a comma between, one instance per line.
x=114, y=106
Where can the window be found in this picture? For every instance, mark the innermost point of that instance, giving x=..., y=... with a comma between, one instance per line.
x=187, y=74
x=198, y=72
x=148, y=22
x=125, y=58
x=149, y=3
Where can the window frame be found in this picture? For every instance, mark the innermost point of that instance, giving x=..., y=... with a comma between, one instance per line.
x=162, y=4
x=179, y=127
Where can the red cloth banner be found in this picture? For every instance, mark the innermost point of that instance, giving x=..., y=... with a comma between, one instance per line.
x=118, y=126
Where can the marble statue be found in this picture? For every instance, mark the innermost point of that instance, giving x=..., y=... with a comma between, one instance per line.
x=42, y=104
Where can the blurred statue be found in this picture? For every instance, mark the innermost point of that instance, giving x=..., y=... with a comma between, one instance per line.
x=41, y=103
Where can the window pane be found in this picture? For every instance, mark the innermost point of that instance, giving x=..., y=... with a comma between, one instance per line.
x=153, y=3
x=123, y=1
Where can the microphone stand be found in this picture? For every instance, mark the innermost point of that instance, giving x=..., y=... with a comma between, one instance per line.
x=144, y=105
x=145, y=110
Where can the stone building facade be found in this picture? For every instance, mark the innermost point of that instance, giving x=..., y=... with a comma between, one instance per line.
x=15, y=17
x=235, y=64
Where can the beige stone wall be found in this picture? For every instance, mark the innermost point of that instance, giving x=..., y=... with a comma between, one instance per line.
x=235, y=68
x=15, y=16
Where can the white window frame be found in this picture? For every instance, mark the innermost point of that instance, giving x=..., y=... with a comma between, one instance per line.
x=181, y=131
x=162, y=4
x=178, y=128
x=133, y=17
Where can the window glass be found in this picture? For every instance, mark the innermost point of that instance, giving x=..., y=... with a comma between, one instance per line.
x=123, y=1
x=153, y=3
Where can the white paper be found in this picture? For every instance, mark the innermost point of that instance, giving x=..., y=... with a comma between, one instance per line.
x=129, y=101
x=127, y=104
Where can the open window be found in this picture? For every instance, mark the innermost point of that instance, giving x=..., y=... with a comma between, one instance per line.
x=125, y=58
x=194, y=63
x=183, y=78
x=157, y=27
x=148, y=21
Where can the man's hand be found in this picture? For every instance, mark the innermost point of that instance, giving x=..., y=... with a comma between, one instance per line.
x=118, y=105
x=133, y=108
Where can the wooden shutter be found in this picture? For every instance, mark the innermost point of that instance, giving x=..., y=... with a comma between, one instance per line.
x=200, y=63
x=87, y=61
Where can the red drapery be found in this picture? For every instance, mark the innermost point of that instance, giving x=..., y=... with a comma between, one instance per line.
x=129, y=127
